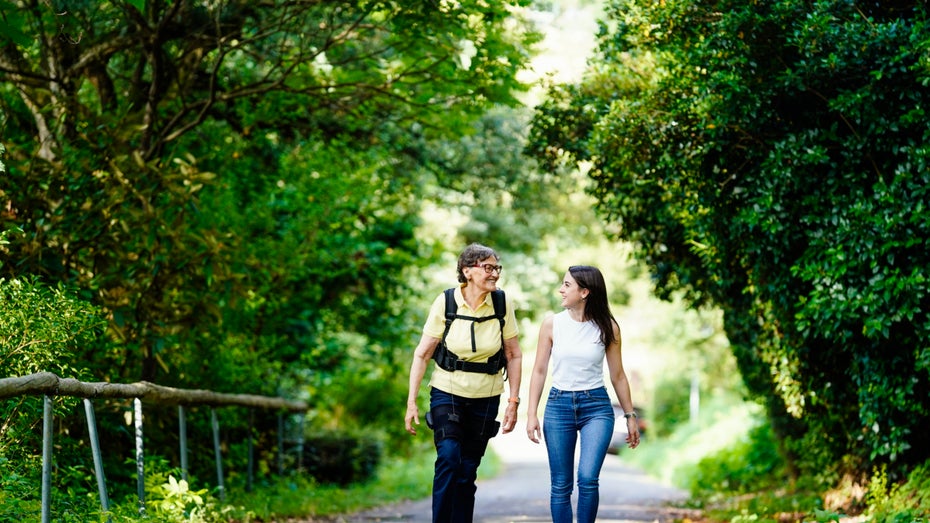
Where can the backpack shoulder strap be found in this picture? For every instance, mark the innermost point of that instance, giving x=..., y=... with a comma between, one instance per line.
x=451, y=310
x=447, y=360
x=500, y=304
x=500, y=309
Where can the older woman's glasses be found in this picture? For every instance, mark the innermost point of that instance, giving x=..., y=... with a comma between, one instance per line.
x=488, y=268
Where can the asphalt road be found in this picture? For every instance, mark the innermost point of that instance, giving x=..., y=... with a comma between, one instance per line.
x=520, y=493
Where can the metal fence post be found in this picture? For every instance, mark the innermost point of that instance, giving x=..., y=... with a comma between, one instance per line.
x=182, y=435
x=251, y=463
x=280, y=444
x=49, y=385
x=219, y=456
x=300, y=444
x=140, y=455
x=98, y=459
x=46, y=459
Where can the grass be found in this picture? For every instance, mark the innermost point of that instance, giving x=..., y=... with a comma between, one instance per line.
x=712, y=458
x=673, y=459
x=397, y=480
x=731, y=470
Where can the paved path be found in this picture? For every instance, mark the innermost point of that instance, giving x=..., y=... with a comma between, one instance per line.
x=520, y=493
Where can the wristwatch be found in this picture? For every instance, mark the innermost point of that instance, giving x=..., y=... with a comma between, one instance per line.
x=628, y=415
x=514, y=400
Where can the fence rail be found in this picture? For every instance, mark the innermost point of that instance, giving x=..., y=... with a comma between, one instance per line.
x=47, y=384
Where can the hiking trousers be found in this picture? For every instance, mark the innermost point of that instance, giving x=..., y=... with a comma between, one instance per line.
x=462, y=428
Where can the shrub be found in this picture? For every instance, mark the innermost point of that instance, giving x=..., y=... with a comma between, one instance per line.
x=42, y=328
x=751, y=465
x=341, y=458
x=671, y=405
x=900, y=503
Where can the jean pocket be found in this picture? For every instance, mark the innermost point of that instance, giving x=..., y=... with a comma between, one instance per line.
x=599, y=394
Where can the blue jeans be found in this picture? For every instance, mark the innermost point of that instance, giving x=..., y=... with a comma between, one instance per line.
x=569, y=413
x=461, y=430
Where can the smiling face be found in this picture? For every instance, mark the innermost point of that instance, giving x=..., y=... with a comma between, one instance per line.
x=573, y=295
x=479, y=276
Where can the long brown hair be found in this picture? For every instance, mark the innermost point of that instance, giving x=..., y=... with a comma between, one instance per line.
x=596, y=308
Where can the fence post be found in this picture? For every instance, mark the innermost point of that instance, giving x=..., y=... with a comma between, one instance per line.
x=300, y=444
x=95, y=451
x=251, y=463
x=695, y=398
x=182, y=435
x=219, y=457
x=49, y=385
x=140, y=455
x=46, y=459
x=280, y=444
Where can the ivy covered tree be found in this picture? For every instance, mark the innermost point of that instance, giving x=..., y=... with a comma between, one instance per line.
x=771, y=159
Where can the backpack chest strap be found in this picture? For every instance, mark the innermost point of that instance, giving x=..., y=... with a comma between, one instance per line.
x=448, y=360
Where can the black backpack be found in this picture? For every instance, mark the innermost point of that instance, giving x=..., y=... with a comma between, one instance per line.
x=447, y=360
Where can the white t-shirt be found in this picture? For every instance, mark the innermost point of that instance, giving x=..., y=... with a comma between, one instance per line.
x=577, y=354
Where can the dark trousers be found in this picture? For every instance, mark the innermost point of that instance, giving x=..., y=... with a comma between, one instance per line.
x=461, y=430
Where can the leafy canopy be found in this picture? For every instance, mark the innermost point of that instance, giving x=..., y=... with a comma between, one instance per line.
x=235, y=175
x=770, y=158
x=237, y=186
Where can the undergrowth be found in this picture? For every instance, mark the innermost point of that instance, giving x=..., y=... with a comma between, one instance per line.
x=397, y=480
x=169, y=499
x=728, y=463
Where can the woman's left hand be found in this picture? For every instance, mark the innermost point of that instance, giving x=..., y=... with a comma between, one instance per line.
x=632, y=437
x=510, y=417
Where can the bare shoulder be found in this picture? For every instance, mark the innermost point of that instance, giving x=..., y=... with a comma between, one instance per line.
x=545, y=328
x=547, y=321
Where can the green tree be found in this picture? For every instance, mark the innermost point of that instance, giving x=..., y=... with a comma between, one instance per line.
x=237, y=185
x=770, y=159
x=233, y=169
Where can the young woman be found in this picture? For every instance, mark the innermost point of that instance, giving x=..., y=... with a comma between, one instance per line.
x=578, y=340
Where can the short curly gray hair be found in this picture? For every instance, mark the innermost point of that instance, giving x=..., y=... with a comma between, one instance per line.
x=472, y=255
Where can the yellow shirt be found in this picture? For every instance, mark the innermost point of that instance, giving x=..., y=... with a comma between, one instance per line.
x=487, y=343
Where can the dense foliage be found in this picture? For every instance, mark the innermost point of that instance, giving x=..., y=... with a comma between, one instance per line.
x=236, y=188
x=771, y=159
x=40, y=328
x=233, y=180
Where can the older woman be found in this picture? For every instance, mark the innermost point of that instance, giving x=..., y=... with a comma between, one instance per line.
x=472, y=342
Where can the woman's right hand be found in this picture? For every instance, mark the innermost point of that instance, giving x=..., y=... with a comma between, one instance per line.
x=532, y=428
x=412, y=418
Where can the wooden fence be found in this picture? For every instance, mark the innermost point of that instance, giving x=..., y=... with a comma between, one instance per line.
x=47, y=385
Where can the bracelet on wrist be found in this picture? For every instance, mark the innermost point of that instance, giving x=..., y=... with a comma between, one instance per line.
x=628, y=415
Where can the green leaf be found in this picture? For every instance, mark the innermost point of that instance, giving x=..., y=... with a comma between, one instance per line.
x=138, y=4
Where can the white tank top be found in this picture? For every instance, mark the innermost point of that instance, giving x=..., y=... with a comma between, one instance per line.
x=577, y=354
